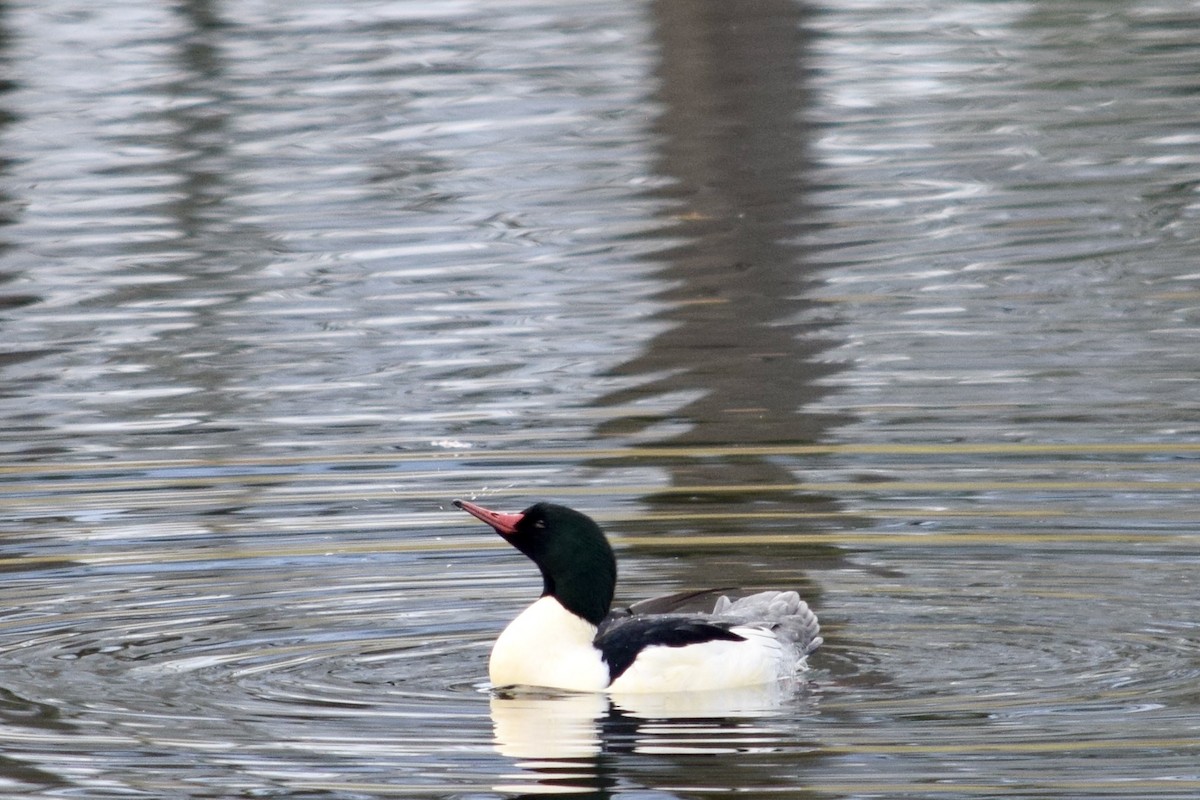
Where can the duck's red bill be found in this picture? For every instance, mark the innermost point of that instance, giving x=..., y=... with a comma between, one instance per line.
x=505, y=524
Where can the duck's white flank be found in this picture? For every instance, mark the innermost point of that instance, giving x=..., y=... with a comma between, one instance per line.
x=719, y=664
x=548, y=646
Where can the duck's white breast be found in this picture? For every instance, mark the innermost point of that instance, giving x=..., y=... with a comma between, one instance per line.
x=548, y=646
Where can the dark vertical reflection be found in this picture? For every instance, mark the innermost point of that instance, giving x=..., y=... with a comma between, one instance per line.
x=198, y=142
x=733, y=144
x=7, y=115
x=215, y=256
x=200, y=138
x=17, y=710
x=9, y=299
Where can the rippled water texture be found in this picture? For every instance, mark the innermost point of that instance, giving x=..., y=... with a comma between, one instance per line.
x=894, y=304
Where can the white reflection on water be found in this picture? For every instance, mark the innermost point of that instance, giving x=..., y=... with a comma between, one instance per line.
x=548, y=727
x=560, y=739
x=524, y=722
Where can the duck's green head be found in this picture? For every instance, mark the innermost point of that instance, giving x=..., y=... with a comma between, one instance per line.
x=577, y=564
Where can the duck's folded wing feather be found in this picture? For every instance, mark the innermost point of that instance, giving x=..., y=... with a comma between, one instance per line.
x=620, y=639
x=689, y=602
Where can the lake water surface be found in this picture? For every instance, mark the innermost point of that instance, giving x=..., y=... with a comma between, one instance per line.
x=896, y=305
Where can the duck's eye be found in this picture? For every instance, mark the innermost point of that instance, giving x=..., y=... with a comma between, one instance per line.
x=540, y=524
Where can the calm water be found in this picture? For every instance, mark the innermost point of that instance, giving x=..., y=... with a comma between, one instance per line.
x=898, y=305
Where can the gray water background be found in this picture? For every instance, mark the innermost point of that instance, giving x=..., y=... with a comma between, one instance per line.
x=895, y=304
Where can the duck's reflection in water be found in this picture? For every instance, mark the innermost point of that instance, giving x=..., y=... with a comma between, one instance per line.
x=570, y=742
x=549, y=725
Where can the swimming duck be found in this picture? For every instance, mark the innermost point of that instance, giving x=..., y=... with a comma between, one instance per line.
x=571, y=638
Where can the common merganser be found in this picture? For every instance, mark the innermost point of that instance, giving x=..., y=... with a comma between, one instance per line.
x=572, y=639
